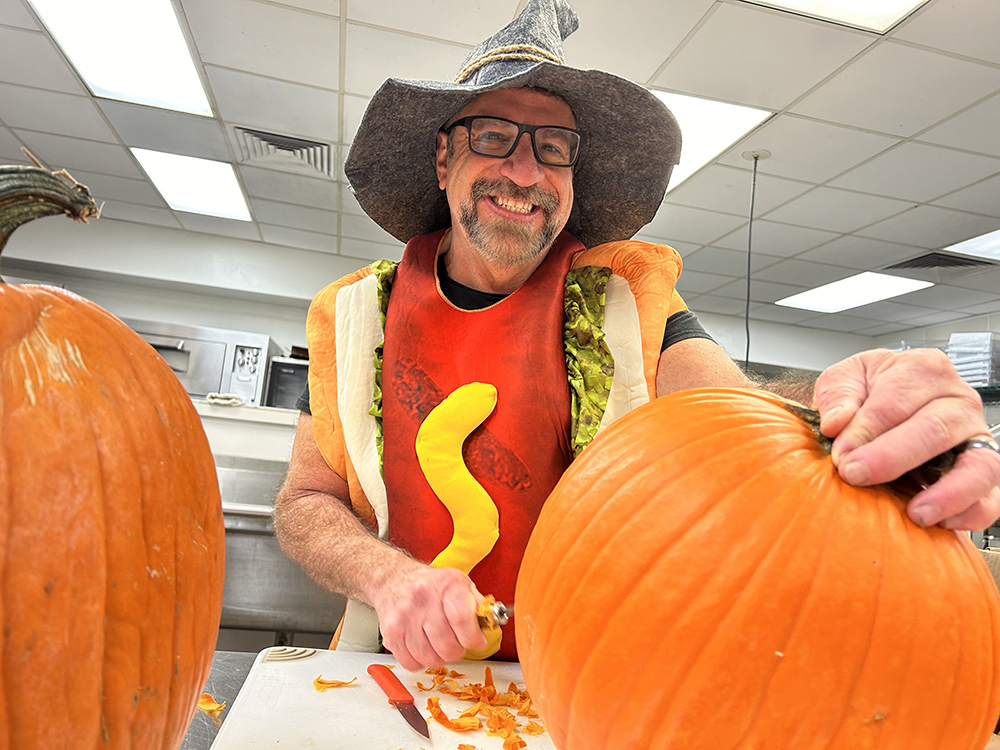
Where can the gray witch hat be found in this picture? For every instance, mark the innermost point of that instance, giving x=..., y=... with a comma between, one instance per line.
x=633, y=140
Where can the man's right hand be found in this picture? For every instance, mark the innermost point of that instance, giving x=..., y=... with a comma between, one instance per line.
x=428, y=615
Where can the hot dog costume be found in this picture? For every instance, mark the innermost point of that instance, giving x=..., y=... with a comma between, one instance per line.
x=570, y=351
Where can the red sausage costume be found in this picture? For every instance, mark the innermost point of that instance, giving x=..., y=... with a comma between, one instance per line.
x=431, y=348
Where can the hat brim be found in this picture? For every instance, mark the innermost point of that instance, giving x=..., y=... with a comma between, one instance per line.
x=633, y=142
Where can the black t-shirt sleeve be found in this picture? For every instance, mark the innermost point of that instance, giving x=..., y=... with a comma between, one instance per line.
x=303, y=403
x=682, y=325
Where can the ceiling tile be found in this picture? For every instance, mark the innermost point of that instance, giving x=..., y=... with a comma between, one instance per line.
x=349, y=204
x=106, y=188
x=30, y=59
x=10, y=148
x=900, y=90
x=981, y=198
x=836, y=210
x=60, y=152
x=944, y=297
x=368, y=251
x=709, y=303
x=975, y=129
x=741, y=53
x=327, y=7
x=464, y=21
x=354, y=112
x=892, y=311
x=726, y=262
x=298, y=111
x=139, y=214
x=862, y=253
x=53, y=112
x=760, y=291
x=691, y=224
x=297, y=217
x=290, y=188
x=373, y=55
x=696, y=282
x=241, y=34
x=933, y=319
x=246, y=230
x=806, y=149
x=965, y=27
x=362, y=228
x=772, y=238
x=931, y=227
x=984, y=308
x=778, y=314
x=610, y=38
x=276, y=235
x=839, y=322
x=916, y=172
x=802, y=272
x=14, y=13
x=163, y=130
x=988, y=281
x=726, y=189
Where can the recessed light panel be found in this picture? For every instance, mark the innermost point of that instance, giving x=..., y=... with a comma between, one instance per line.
x=708, y=128
x=129, y=50
x=871, y=15
x=984, y=246
x=199, y=186
x=853, y=291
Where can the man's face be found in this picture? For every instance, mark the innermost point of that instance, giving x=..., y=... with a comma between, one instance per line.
x=509, y=210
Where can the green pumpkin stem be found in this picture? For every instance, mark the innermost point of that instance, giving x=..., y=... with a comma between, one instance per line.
x=28, y=193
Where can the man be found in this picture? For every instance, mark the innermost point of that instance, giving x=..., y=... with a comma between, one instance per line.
x=491, y=289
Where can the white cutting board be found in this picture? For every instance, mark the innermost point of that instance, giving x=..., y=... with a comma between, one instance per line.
x=277, y=707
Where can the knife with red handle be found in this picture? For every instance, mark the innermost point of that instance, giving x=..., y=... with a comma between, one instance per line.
x=399, y=697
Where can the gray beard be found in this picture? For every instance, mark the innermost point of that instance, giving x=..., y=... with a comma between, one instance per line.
x=508, y=244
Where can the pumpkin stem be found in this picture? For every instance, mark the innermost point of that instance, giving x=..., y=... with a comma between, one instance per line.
x=911, y=482
x=28, y=193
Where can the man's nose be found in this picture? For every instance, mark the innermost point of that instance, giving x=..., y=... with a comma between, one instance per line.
x=521, y=167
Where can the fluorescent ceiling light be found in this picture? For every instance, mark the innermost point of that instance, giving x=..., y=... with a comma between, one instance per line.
x=130, y=50
x=873, y=15
x=199, y=186
x=984, y=246
x=707, y=129
x=853, y=291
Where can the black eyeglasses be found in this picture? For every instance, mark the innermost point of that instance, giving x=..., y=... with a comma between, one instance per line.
x=494, y=136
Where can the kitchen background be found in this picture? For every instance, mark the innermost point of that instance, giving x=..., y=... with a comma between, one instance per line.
x=876, y=149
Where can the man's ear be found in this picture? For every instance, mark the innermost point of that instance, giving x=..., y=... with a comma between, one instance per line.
x=441, y=162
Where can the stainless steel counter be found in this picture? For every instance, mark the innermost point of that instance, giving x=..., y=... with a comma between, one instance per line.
x=229, y=671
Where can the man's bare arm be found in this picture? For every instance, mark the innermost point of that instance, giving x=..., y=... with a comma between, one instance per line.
x=426, y=615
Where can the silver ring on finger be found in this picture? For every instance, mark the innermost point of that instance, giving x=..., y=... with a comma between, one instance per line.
x=979, y=442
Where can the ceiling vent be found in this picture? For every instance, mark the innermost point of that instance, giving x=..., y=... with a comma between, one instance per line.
x=939, y=267
x=284, y=152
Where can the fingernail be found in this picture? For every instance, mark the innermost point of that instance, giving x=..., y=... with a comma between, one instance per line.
x=829, y=416
x=927, y=514
x=856, y=473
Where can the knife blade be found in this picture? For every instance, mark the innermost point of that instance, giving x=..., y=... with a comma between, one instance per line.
x=399, y=697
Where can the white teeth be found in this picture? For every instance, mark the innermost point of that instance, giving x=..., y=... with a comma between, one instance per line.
x=520, y=207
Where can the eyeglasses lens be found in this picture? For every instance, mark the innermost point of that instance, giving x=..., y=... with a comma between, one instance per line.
x=554, y=146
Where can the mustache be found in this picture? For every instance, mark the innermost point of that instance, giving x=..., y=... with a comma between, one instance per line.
x=485, y=187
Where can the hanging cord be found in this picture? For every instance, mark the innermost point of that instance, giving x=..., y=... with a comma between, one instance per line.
x=746, y=311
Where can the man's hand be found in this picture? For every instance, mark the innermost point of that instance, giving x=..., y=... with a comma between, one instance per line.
x=890, y=412
x=428, y=615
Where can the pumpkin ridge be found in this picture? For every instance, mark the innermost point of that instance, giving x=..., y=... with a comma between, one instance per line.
x=631, y=585
x=802, y=510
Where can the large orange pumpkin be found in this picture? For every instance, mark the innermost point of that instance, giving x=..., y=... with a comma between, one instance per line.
x=111, y=531
x=701, y=579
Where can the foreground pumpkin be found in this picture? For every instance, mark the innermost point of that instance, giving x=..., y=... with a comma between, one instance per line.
x=702, y=579
x=111, y=533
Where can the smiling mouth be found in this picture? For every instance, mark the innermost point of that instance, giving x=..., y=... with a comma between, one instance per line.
x=512, y=204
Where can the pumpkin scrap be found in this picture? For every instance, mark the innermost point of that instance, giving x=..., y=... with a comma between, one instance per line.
x=209, y=705
x=463, y=746
x=534, y=728
x=461, y=724
x=320, y=684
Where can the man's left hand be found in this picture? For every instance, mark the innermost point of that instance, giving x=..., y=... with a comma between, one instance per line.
x=889, y=412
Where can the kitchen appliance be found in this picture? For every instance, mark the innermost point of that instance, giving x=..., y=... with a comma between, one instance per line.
x=286, y=380
x=212, y=360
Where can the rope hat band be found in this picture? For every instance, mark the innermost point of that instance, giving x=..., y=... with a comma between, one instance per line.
x=510, y=52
